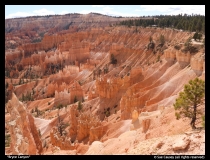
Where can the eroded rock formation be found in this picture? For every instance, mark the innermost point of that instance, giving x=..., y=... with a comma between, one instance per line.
x=24, y=135
x=131, y=93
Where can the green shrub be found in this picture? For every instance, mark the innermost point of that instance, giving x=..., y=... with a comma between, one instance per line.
x=75, y=99
x=113, y=60
x=7, y=140
x=79, y=107
x=107, y=113
x=177, y=47
x=162, y=39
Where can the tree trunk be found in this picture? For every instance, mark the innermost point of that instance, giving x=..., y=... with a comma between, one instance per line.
x=192, y=123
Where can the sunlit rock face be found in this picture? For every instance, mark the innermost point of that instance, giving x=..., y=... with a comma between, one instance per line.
x=124, y=105
x=24, y=135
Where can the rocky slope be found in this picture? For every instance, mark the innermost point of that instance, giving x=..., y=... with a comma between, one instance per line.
x=83, y=102
x=57, y=21
x=31, y=29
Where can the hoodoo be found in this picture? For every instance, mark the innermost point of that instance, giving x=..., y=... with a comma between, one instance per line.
x=97, y=84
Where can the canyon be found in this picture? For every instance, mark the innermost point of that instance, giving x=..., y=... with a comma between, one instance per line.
x=65, y=95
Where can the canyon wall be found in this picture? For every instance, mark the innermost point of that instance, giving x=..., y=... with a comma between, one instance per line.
x=24, y=135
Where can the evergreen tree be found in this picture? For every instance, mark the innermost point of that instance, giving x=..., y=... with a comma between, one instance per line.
x=186, y=22
x=150, y=39
x=60, y=125
x=37, y=111
x=187, y=102
x=75, y=99
x=6, y=86
x=23, y=97
x=162, y=39
x=19, y=81
x=79, y=106
x=179, y=25
x=39, y=133
x=188, y=44
x=198, y=26
x=203, y=27
x=199, y=36
x=195, y=36
x=112, y=59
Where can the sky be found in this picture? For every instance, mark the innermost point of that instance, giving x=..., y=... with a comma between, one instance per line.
x=14, y=11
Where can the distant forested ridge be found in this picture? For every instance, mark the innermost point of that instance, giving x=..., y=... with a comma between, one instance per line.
x=192, y=23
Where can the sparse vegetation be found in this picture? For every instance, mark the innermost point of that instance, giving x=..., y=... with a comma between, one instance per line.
x=177, y=47
x=36, y=40
x=39, y=133
x=60, y=106
x=150, y=39
x=38, y=112
x=107, y=113
x=113, y=60
x=189, y=47
x=79, y=107
x=61, y=126
x=162, y=39
x=7, y=140
x=75, y=99
x=151, y=45
x=6, y=85
x=197, y=36
x=27, y=97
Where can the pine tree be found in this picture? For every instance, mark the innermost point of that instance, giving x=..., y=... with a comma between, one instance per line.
x=188, y=44
x=150, y=39
x=39, y=133
x=162, y=39
x=187, y=102
x=79, y=107
x=112, y=59
x=37, y=111
x=198, y=26
x=60, y=125
x=6, y=85
x=75, y=99
x=23, y=97
x=195, y=36
x=203, y=27
x=19, y=81
x=199, y=36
